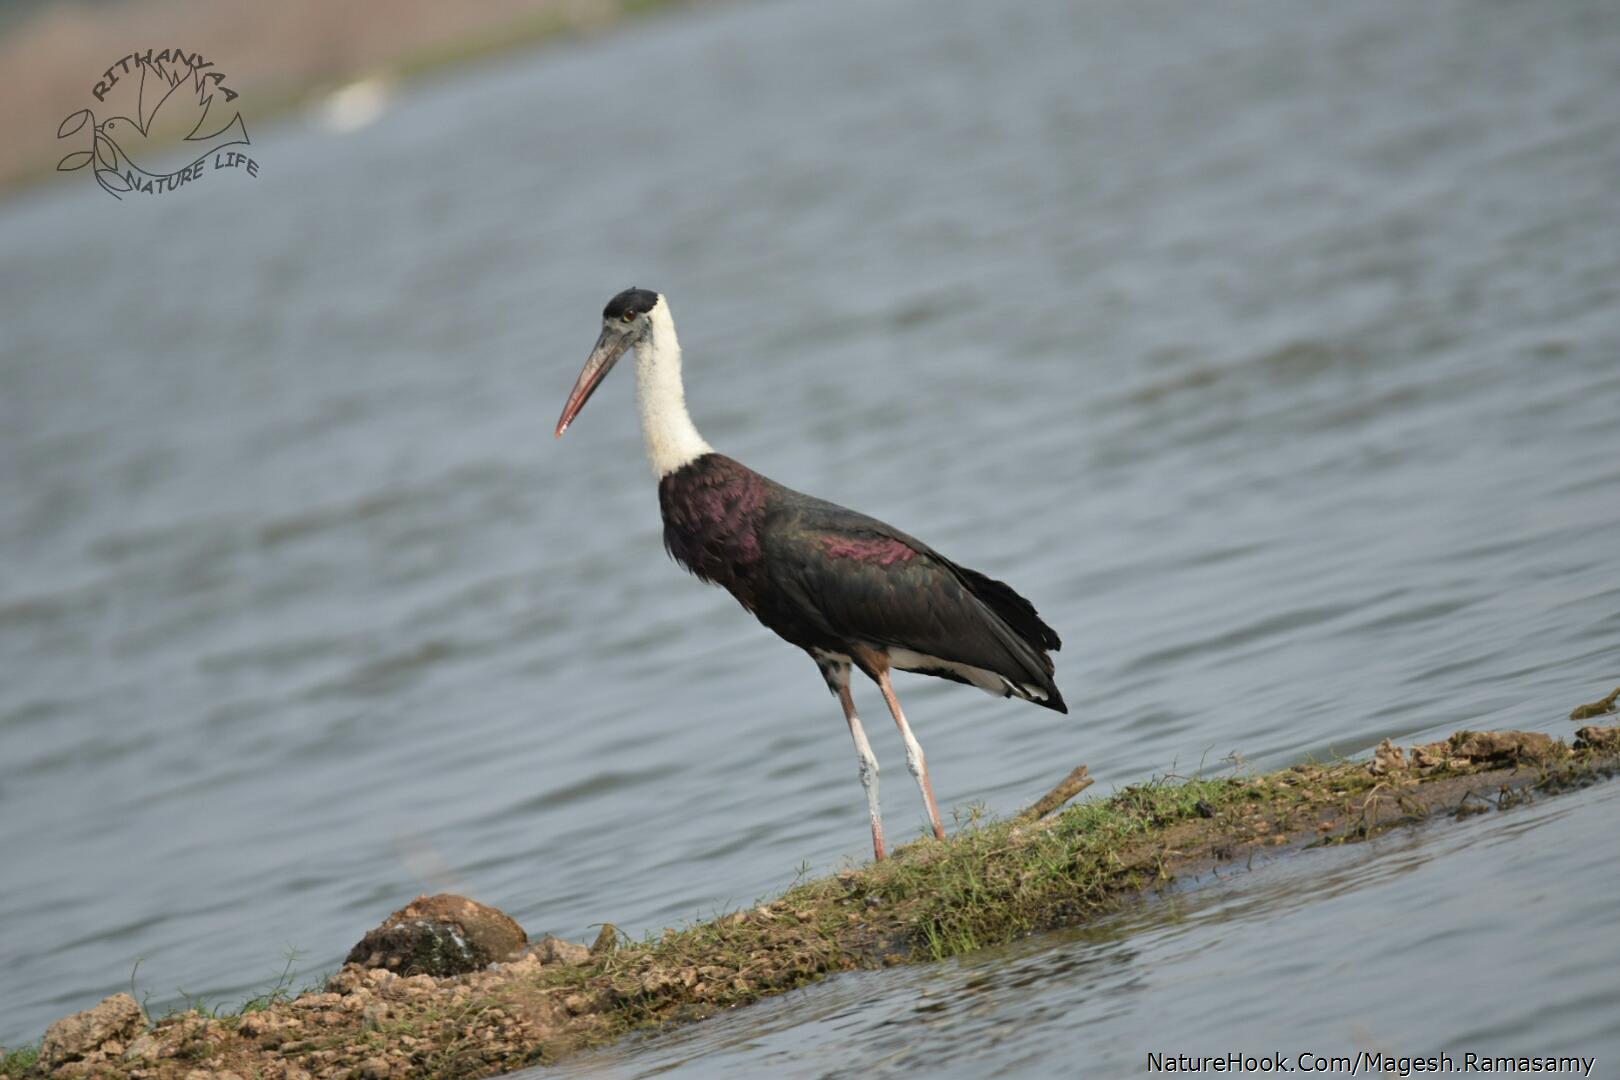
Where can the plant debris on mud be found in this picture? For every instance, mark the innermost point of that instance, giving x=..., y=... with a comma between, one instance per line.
x=988, y=884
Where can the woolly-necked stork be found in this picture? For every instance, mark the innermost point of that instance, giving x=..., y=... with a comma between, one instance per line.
x=847, y=589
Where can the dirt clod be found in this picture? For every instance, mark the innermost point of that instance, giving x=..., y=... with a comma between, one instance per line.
x=1427, y=757
x=118, y=1018
x=1506, y=747
x=1387, y=758
x=1597, y=738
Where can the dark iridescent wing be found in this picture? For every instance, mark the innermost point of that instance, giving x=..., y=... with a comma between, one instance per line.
x=855, y=578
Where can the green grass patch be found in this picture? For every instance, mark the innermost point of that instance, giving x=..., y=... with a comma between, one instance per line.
x=18, y=1062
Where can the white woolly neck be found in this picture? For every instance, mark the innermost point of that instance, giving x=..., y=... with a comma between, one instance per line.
x=672, y=439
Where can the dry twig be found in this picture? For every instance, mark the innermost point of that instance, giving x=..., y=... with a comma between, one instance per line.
x=1067, y=788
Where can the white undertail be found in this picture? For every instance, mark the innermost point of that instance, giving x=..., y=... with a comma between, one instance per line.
x=672, y=439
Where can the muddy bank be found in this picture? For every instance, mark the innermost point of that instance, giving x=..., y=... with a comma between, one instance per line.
x=989, y=884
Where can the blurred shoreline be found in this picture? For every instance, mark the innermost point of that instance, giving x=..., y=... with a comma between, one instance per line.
x=278, y=57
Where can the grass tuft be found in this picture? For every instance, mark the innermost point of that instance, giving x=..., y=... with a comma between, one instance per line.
x=18, y=1062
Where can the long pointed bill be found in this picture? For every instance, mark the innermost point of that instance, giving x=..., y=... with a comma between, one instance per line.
x=609, y=347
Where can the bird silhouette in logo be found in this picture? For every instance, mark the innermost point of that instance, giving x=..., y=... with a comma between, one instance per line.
x=175, y=108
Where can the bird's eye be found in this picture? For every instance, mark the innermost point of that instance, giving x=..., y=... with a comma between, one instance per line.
x=629, y=316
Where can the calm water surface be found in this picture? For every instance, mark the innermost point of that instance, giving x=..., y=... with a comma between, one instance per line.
x=1273, y=349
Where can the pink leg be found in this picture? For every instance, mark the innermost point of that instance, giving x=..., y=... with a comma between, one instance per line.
x=914, y=753
x=869, y=766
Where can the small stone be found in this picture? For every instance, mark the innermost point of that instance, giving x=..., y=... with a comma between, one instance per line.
x=527, y=962
x=351, y=978
x=554, y=950
x=317, y=1001
x=1387, y=758
x=144, y=1048
x=116, y=1018
x=654, y=981
x=374, y=1068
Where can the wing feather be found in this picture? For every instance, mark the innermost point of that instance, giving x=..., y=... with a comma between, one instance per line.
x=853, y=577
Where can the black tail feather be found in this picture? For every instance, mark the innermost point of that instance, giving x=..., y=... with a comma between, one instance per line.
x=1019, y=614
x=1053, y=699
x=1023, y=633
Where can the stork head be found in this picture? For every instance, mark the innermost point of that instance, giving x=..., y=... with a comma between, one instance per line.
x=624, y=326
